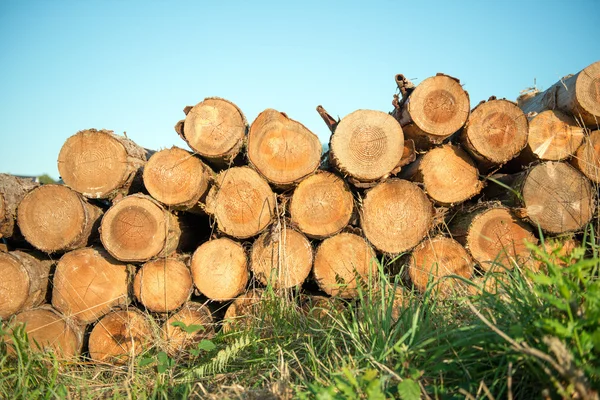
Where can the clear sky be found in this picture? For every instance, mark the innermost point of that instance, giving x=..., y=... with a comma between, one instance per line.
x=133, y=65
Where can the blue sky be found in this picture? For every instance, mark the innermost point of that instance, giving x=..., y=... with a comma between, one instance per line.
x=133, y=65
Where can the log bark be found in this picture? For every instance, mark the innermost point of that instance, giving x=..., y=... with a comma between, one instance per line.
x=342, y=263
x=281, y=257
x=577, y=95
x=120, y=336
x=178, y=179
x=220, y=269
x=12, y=191
x=25, y=279
x=88, y=283
x=178, y=340
x=55, y=218
x=495, y=133
x=587, y=157
x=164, y=284
x=396, y=215
x=321, y=205
x=101, y=165
x=243, y=310
x=215, y=129
x=282, y=150
x=241, y=202
x=449, y=176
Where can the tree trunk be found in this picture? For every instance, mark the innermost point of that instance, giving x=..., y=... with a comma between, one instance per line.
x=587, y=157
x=433, y=111
x=449, y=176
x=495, y=133
x=120, y=336
x=88, y=283
x=192, y=314
x=163, y=285
x=242, y=202
x=282, y=150
x=494, y=237
x=47, y=329
x=396, y=216
x=367, y=145
x=12, y=191
x=281, y=257
x=577, y=95
x=242, y=310
x=220, y=269
x=342, y=263
x=178, y=179
x=101, y=165
x=24, y=281
x=55, y=218
x=322, y=205
x=215, y=129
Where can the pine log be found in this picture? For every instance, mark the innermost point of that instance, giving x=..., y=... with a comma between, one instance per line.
x=494, y=237
x=449, y=176
x=177, y=178
x=495, y=133
x=191, y=314
x=282, y=257
x=577, y=95
x=163, y=285
x=215, y=129
x=243, y=310
x=587, y=157
x=322, y=205
x=241, y=202
x=88, y=283
x=367, y=145
x=433, y=111
x=120, y=336
x=220, y=269
x=342, y=263
x=24, y=282
x=100, y=164
x=282, y=150
x=396, y=216
x=55, y=218
x=12, y=191
x=321, y=308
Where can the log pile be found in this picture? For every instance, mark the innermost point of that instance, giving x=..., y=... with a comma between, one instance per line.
x=138, y=245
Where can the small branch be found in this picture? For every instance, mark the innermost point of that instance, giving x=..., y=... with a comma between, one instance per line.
x=328, y=119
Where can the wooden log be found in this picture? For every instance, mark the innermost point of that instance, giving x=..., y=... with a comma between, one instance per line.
x=433, y=111
x=449, y=176
x=55, y=218
x=495, y=133
x=322, y=205
x=138, y=228
x=560, y=250
x=494, y=237
x=436, y=258
x=215, y=129
x=220, y=269
x=243, y=310
x=282, y=257
x=163, y=285
x=577, y=95
x=47, y=330
x=177, y=178
x=322, y=308
x=282, y=150
x=342, y=263
x=191, y=314
x=100, y=164
x=241, y=202
x=396, y=215
x=12, y=191
x=24, y=281
x=120, y=336
x=88, y=283
x=366, y=146
x=587, y=157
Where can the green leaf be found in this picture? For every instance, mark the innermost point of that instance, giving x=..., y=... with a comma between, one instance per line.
x=162, y=357
x=542, y=279
x=206, y=345
x=145, y=361
x=187, y=329
x=161, y=368
x=409, y=390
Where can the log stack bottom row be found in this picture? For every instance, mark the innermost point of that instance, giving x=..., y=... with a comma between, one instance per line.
x=139, y=244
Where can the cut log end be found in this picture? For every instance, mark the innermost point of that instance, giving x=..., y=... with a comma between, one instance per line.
x=192, y=315
x=243, y=309
x=587, y=157
x=588, y=93
x=163, y=285
x=553, y=136
x=14, y=286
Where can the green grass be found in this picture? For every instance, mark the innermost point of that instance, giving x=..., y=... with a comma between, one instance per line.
x=539, y=336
